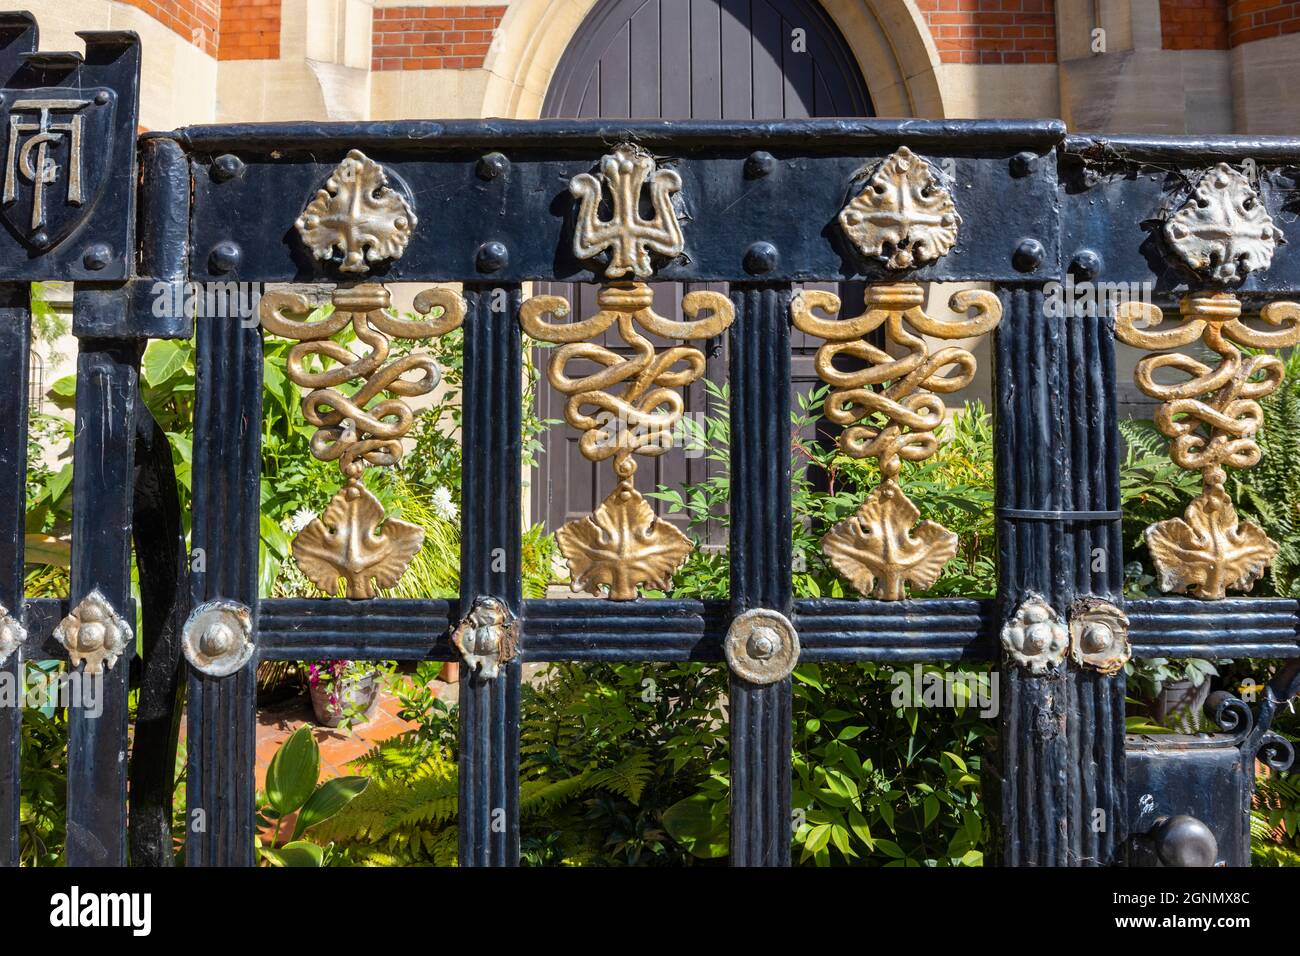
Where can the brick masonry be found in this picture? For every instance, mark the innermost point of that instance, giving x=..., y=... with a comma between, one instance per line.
x=1250, y=20
x=195, y=20
x=433, y=38
x=250, y=30
x=1194, y=24
x=992, y=31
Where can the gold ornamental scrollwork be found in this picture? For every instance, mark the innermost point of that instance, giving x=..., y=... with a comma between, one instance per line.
x=1212, y=418
x=623, y=545
x=881, y=548
x=629, y=238
x=353, y=539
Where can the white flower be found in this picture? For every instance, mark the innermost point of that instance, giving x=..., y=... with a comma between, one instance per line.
x=301, y=518
x=442, y=504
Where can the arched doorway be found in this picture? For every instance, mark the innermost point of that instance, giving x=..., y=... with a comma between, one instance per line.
x=686, y=59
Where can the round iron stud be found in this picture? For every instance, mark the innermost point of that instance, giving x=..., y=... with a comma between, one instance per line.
x=1022, y=164
x=492, y=165
x=1184, y=841
x=1028, y=256
x=226, y=167
x=218, y=638
x=97, y=256
x=1086, y=265
x=225, y=256
x=761, y=258
x=491, y=257
x=759, y=164
x=762, y=646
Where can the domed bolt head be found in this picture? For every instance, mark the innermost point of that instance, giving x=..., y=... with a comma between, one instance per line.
x=97, y=256
x=492, y=166
x=226, y=167
x=1028, y=256
x=491, y=257
x=761, y=258
x=759, y=164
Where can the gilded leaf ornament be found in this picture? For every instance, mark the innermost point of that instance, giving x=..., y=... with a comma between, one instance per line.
x=904, y=215
x=883, y=541
x=630, y=406
x=352, y=540
x=880, y=549
x=1212, y=418
x=358, y=214
x=1223, y=232
x=629, y=238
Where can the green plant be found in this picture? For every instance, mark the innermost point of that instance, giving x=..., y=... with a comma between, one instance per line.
x=42, y=802
x=292, y=788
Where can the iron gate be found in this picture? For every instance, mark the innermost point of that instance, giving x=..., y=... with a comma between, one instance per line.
x=495, y=204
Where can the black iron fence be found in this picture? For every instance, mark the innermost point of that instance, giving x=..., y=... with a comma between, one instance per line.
x=1019, y=210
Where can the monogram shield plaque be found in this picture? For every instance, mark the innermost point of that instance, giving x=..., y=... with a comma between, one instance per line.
x=57, y=144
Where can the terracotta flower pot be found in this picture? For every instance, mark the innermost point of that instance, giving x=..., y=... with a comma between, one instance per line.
x=350, y=695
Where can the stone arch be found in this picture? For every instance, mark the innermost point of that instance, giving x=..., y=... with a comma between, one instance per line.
x=888, y=38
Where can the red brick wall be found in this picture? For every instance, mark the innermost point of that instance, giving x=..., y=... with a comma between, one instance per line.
x=195, y=20
x=250, y=30
x=433, y=38
x=1194, y=24
x=1260, y=19
x=992, y=31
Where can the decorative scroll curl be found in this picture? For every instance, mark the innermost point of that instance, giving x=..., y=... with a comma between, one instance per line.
x=1212, y=418
x=352, y=539
x=622, y=545
x=878, y=550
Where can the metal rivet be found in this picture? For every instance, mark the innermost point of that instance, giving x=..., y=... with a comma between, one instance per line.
x=225, y=256
x=101, y=98
x=761, y=258
x=761, y=647
x=97, y=256
x=491, y=257
x=1028, y=255
x=1022, y=164
x=492, y=165
x=226, y=167
x=40, y=239
x=759, y=164
x=217, y=638
x=1086, y=265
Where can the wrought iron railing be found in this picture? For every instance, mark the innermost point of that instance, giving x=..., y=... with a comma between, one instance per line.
x=494, y=205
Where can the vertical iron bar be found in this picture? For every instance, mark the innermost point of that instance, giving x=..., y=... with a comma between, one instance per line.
x=15, y=342
x=1058, y=780
x=161, y=560
x=491, y=476
x=761, y=731
x=223, y=564
x=102, y=479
